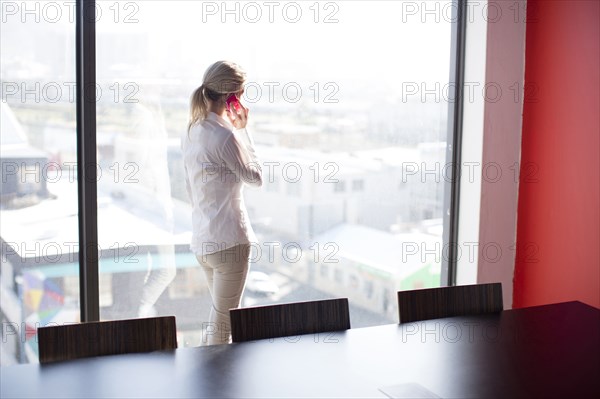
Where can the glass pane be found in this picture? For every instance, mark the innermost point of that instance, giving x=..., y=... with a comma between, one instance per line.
x=348, y=114
x=39, y=274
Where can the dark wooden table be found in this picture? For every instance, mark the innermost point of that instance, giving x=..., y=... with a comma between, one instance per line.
x=544, y=351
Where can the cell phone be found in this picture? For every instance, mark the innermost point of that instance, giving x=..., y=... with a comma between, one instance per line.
x=233, y=100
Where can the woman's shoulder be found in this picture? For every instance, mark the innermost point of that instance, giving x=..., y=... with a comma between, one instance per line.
x=209, y=132
x=207, y=126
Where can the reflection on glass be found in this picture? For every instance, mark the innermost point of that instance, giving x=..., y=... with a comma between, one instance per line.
x=350, y=128
x=38, y=191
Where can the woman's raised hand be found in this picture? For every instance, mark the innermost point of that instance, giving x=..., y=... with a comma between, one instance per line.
x=238, y=115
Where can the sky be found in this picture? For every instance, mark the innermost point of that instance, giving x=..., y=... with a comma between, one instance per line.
x=361, y=46
x=362, y=40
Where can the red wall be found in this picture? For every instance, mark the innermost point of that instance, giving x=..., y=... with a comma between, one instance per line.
x=558, y=227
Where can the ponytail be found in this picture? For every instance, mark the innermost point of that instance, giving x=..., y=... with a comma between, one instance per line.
x=198, y=107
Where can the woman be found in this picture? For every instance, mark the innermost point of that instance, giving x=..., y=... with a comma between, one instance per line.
x=219, y=157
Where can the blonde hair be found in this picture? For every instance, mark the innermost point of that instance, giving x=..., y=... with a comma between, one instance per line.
x=220, y=79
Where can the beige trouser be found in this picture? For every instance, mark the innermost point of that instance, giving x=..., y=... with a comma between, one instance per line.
x=226, y=275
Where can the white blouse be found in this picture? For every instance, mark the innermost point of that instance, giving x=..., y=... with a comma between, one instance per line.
x=218, y=160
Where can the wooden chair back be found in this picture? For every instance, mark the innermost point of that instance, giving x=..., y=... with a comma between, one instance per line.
x=289, y=319
x=462, y=300
x=72, y=341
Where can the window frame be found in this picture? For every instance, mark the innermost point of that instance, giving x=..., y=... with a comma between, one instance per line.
x=85, y=53
x=454, y=144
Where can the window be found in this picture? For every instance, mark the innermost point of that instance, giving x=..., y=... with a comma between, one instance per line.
x=326, y=121
x=368, y=288
x=272, y=185
x=339, y=187
x=294, y=188
x=358, y=185
x=353, y=281
x=324, y=271
x=338, y=275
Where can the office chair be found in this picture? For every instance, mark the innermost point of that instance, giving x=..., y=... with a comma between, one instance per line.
x=289, y=319
x=462, y=300
x=72, y=341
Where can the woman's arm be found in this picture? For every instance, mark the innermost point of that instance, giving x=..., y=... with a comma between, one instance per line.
x=248, y=142
x=240, y=157
x=238, y=152
x=188, y=189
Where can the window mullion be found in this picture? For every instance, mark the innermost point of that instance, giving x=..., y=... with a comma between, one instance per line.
x=453, y=147
x=86, y=159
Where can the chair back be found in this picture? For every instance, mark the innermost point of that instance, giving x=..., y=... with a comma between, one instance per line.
x=289, y=319
x=72, y=341
x=462, y=300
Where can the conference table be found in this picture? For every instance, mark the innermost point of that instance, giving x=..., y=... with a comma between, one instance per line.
x=543, y=351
